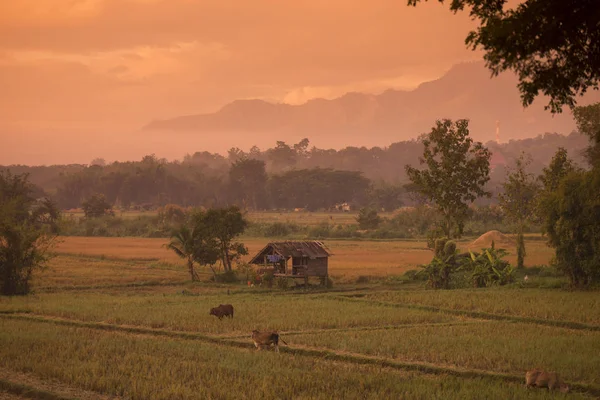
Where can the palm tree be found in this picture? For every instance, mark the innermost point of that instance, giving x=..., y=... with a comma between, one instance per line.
x=184, y=244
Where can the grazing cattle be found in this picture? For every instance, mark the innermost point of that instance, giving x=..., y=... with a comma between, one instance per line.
x=543, y=379
x=224, y=310
x=261, y=339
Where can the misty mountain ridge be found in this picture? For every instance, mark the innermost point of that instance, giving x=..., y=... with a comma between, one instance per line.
x=465, y=91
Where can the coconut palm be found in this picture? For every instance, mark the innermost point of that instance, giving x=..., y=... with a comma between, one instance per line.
x=183, y=244
x=194, y=244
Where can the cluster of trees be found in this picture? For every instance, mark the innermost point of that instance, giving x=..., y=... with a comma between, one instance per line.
x=570, y=205
x=563, y=198
x=256, y=179
x=28, y=228
x=552, y=46
x=208, y=237
x=154, y=183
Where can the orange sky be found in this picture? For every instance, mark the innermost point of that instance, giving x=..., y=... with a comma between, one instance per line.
x=82, y=73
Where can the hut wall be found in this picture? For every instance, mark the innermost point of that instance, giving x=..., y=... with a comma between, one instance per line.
x=317, y=267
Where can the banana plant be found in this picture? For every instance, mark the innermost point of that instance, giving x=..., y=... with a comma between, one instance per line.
x=488, y=268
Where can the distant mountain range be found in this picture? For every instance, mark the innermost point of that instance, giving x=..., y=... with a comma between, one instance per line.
x=465, y=91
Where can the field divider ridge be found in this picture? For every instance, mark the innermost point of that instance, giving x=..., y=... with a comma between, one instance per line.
x=30, y=392
x=70, y=288
x=368, y=328
x=477, y=314
x=311, y=352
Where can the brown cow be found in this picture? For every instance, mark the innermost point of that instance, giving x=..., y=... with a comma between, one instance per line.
x=224, y=310
x=540, y=378
x=261, y=339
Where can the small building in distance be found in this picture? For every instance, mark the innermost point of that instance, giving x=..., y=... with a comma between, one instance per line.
x=294, y=259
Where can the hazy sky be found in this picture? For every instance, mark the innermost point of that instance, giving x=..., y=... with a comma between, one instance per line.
x=70, y=69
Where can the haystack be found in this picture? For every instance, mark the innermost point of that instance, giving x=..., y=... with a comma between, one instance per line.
x=500, y=240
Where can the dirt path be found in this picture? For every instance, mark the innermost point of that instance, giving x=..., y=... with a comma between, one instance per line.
x=30, y=386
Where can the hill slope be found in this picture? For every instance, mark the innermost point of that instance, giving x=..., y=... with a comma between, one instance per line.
x=465, y=91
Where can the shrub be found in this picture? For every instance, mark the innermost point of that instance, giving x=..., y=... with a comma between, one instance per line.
x=97, y=206
x=268, y=279
x=171, y=214
x=227, y=277
x=444, y=263
x=321, y=231
x=282, y=282
x=368, y=218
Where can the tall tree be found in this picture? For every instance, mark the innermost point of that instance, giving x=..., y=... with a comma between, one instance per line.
x=560, y=166
x=282, y=156
x=588, y=123
x=570, y=207
x=457, y=171
x=572, y=223
x=518, y=200
x=248, y=179
x=223, y=225
x=552, y=45
x=28, y=228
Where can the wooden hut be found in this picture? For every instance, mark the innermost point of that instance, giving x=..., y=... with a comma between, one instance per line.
x=294, y=259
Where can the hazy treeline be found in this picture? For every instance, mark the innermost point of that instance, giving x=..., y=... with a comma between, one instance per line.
x=286, y=176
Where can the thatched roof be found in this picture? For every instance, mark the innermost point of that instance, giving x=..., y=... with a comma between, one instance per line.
x=311, y=249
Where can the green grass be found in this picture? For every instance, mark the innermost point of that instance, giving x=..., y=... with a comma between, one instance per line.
x=191, y=313
x=582, y=307
x=501, y=347
x=141, y=367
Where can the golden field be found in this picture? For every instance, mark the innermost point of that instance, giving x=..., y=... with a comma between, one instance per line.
x=119, y=318
x=350, y=259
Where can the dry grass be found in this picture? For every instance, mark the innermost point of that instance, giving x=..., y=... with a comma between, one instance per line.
x=497, y=346
x=134, y=367
x=66, y=270
x=583, y=307
x=132, y=364
x=351, y=258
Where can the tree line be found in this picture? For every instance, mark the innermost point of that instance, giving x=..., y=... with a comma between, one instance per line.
x=283, y=177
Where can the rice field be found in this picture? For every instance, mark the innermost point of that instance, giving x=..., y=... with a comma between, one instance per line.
x=351, y=258
x=118, y=318
x=155, y=368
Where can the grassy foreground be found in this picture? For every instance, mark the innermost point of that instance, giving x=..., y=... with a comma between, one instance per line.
x=116, y=317
x=151, y=368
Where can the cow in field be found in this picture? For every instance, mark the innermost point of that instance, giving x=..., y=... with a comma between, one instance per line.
x=224, y=310
x=261, y=339
x=544, y=379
